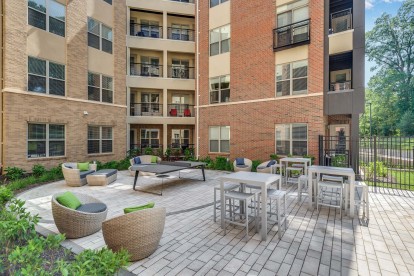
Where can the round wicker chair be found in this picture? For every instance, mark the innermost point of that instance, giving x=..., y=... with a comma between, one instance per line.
x=247, y=162
x=76, y=224
x=138, y=232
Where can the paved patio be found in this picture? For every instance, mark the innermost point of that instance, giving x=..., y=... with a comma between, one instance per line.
x=315, y=243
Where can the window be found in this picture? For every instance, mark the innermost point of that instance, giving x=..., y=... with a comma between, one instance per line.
x=46, y=77
x=180, y=69
x=47, y=15
x=45, y=140
x=220, y=40
x=180, y=137
x=150, y=138
x=100, y=88
x=292, y=139
x=99, y=139
x=292, y=13
x=108, y=1
x=150, y=29
x=219, y=137
x=214, y=3
x=99, y=36
x=220, y=89
x=292, y=78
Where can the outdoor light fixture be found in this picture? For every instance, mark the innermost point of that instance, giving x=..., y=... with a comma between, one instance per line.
x=85, y=113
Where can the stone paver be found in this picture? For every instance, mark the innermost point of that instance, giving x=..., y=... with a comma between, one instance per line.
x=315, y=243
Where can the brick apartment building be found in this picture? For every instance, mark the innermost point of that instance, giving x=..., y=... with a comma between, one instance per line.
x=91, y=79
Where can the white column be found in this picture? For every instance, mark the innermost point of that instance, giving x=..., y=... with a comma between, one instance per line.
x=165, y=102
x=165, y=63
x=128, y=20
x=164, y=25
x=128, y=64
x=128, y=140
x=164, y=137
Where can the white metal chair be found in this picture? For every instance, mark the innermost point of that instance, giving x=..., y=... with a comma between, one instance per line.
x=329, y=191
x=362, y=199
x=280, y=198
x=298, y=168
x=227, y=187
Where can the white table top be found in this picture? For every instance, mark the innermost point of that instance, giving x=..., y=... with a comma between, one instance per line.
x=295, y=159
x=251, y=177
x=332, y=170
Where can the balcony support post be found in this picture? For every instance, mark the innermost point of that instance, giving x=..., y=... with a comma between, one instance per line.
x=165, y=25
x=164, y=136
x=165, y=104
x=165, y=64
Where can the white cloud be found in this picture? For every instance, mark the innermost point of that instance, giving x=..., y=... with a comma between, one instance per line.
x=370, y=3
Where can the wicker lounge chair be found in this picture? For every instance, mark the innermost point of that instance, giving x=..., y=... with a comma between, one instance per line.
x=262, y=168
x=138, y=232
x=76, y=224
x=145, y=159
x=247, y=167
x=73, y=176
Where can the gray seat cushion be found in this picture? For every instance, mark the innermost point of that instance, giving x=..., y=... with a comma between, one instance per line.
x=242, y=166
x=261, y=167
x=92, y=208
x=85, y=173
x=107, y=172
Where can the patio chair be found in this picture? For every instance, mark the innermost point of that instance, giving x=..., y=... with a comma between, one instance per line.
x=173, y=112
x=187, y=112
x=267, y=167
x=77, y=224
x=73, y=176
x=138, y=232
x=247, y=167
x=145, y=160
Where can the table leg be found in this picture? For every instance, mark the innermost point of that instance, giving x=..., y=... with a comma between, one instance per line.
x=202, y=170
x=135, y=179
x=222, y=204
x=264, y=212
x=310, y=190
x=352, y=196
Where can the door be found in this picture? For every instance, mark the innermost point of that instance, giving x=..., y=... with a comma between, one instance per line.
x=339, y=137
x=150, y=103
x=180, y=68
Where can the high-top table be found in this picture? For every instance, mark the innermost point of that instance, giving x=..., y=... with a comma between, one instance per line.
x=305, y=161
x=333, y=171
x=262, y=180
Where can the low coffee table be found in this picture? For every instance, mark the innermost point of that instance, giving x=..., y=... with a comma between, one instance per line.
x=102, y=177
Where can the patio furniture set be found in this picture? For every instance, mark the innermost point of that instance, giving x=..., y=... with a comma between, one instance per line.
x=79, y=174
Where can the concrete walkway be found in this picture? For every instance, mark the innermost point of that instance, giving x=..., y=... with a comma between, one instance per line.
x=315, y=243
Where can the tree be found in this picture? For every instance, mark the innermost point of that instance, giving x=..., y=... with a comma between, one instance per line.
x=390, y=44
x=406, y=125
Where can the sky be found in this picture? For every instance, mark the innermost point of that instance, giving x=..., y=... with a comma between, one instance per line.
x=373, y=10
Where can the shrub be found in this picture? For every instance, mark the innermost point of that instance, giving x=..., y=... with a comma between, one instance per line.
x=255, y=163
x=339, y=160
x=159, y=152
x=274, y=156
x=14, y=173
x=133, y=152
x=123, y=164
x=5, y=195
x=148, y=151
x=312, y=158
x=209, y=162
x=220, y=163
x=22, y=183
x=56, y=172
x=38, y=170
x=168, y=152
x=110, y=165
x=381, y=169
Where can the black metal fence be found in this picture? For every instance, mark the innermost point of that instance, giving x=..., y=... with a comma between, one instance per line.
x=335, y=151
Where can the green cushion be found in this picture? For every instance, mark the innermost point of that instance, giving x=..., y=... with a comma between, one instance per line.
x=83, y=166
x=69, y=200
x=137, y=208
x=154, y=159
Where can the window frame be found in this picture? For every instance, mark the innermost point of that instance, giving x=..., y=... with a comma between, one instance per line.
x=219, y=140
x=47, y=77
x=219, y=91
x=47, y=140
x=100, y=36
x=47, y=14
x=181, y=138
x=150, y=130
x=100, y=139
x=220, y=41
x=219, y=3
x=101, y=76
x=291, y=140
x=291, y=79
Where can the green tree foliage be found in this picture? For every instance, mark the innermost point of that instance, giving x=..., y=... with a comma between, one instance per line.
x=406, y=124
x=390, y=44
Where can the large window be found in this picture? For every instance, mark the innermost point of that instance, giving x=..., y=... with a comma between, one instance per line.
x=180, y=137
x=45, y=77
x=220, y=40
x=220, y=89
x=45, y=140
x=47, y=15
x=214, y=3
x=292, y=78
x=99, y=36
x=150, y=138
x=219, y=138
x=99, y=139
x=100, y=88
x=292, y=139
x=293, y=13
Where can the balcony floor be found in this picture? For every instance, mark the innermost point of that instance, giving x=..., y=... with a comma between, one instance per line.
x=192, y=244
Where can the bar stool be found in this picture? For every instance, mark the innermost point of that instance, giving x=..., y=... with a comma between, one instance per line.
x=294, y=168
x=280, y=197
x=329, y=191
x=233, y=196
x=361, y=189
x=227, y=187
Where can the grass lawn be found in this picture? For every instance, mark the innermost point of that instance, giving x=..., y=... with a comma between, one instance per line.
x=401, y=180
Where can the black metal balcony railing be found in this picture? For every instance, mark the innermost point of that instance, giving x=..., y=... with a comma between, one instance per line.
x=295, y=33
x=154, y=144
x=146, y=109
x=180, y=110
x=339, y=86
x=146, y=70
x=184, y=1
x=145, y=30
x=180, y=72
x=341, y=21
x=181, y=34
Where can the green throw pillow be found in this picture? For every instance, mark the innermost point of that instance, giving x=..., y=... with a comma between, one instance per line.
x=83, y=166
x=137, y=208
x=154, y=159
x=69, y=200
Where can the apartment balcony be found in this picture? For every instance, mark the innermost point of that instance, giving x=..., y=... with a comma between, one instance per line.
x=181, y=72
x=146, y=109
x=182, y=7
x=181, y=110
x=291, y=35
x=146, y=70
x=181, y=34
x=184, y=1
x=341, y=33
x=340, y=86
x=341, y=21
x=145, y=30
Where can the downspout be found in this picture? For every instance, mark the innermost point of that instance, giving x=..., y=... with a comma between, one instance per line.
x=198, y=80
x=2, y=85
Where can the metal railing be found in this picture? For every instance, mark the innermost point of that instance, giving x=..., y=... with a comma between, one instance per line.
x=146, y=70
x=181, y=110
x=146, y=109
x=180, y=72
x=291, y=34
x=341, y=21
x=145, y=30
x=184, y=1
x=334, y=151
x=181, y=34
x=338, y=86
x=141, y=147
